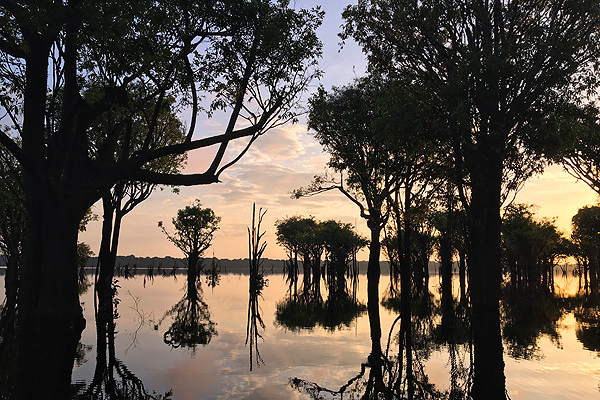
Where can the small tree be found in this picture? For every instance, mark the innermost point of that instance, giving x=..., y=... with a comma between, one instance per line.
x=586, y=228
x=194, y=229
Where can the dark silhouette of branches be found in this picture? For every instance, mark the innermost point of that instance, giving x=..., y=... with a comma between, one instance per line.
x=257, y=283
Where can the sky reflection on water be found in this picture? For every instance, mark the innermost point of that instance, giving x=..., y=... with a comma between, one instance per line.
x=560, y=369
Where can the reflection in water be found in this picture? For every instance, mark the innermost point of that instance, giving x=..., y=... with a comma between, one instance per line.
x=442, y=326
x=308, y=309
x=588, y=329
x=384, y=374
x=531, y=321
x=112, y=379
x=191, y=324
x=257, y=282
x=526, y=316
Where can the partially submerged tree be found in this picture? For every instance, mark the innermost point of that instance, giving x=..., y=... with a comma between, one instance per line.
x=374, y=134
x=67, y=64
x=194, y=229
x=287, y=232
x=340, y=244
x=124, y=196
x=501, y=71
x=586, y=235
x=257, y=283
x=531, y=248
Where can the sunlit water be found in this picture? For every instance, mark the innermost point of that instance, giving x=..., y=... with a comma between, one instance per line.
x=560, y=368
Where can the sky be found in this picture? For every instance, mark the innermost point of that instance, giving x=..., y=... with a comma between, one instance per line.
x=287, y=158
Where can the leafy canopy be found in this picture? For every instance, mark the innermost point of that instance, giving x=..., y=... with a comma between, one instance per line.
x=194, y=229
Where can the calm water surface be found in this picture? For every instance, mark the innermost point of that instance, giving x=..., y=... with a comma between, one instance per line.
x=552, y=365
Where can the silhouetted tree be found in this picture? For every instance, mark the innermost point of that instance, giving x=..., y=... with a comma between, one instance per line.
x=257, y=283
x=194, y=229
x=287, y=231
x=124, y=196
x=530, y=247
x=66, y=64
x=501, y=70
x=340, y=243
x=581, y=158
x=372, y=138
x=586, y=235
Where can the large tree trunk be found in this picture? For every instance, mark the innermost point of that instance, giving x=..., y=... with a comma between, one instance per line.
x=50, y=319
x=50, y=316
x=593, y=283
x=105, y=266
x=446, y=267
x=485, y=276
x=405, y=291
x=373, y=275
x=462, y=269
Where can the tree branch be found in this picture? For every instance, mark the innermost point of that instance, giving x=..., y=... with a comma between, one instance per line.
x=169, y=179
x=11, y=49
x=14, y=149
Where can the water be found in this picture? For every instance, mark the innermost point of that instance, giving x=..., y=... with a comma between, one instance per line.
x=545, y=358
x=552, y=343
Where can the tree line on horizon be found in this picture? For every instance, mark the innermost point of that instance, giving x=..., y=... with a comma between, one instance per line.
x=463, y=102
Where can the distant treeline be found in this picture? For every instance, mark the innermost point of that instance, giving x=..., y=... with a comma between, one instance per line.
x=239, y=266
x=227, y=265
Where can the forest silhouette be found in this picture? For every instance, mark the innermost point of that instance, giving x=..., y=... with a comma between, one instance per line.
x=462, y=103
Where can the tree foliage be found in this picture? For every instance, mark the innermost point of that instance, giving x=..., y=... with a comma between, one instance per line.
x=531, y=247
x=194, y=229
x=502, y=72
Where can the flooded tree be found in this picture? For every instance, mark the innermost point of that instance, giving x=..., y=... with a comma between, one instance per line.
x=124, y=196
x=586, y=224
x=194, y=229
x=503, y=70
x=531, y=248
x=67, y=64
x=257, y=283
x=343, y=123
x=112, y=379
x=301, y=238
x=373, y=137
x=339, y=243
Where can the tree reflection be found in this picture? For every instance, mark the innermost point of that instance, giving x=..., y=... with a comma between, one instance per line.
x=309, y=310
x=588, y=329
x=384, y=374
x=526, y=316
x=191, y=324
x=257, y=282
x=112, y=379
